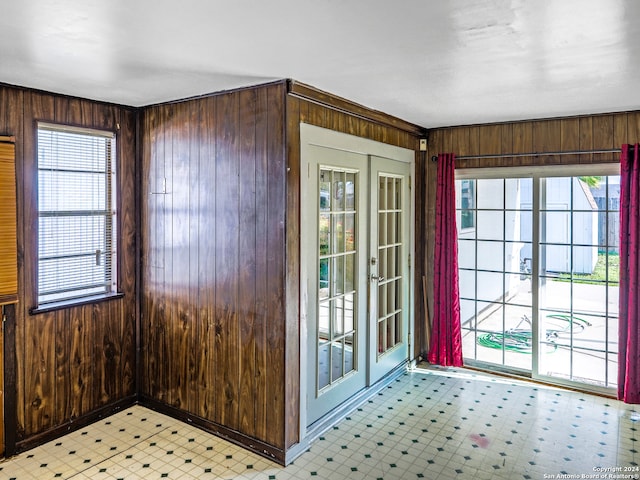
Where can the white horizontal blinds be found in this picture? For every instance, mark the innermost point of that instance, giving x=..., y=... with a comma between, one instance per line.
x=76, y=230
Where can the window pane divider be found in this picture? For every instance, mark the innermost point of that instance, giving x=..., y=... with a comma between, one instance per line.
x=74, y=213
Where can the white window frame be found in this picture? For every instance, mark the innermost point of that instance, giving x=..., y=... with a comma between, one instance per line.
x=85, y=266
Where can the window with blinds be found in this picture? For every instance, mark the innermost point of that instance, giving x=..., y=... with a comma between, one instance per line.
x=76, y=209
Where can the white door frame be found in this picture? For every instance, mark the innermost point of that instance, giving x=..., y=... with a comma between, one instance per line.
x=311, y=135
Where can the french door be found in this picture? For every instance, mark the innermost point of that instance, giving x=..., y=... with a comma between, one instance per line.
x=538, y=274
x=389, y=265
x=336, y=217
x=355, y=247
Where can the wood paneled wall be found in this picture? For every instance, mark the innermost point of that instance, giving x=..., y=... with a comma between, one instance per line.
x=220, y=257
x=75, y=363
x=588, y=132
x=219, y=223
x=214, y=324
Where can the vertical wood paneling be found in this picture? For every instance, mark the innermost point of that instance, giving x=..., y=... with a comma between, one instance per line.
x=522, y=138
x=11, y=123
x=154, y=237
x=462, y=141
x=99, y=393
x=365, y=129
x=192, y=391
x=294, y=110
x=104, y=354
x=490, y=139
x=570, y=135
x=74, y=111
x=633, y=126
x=276, y=200
x=107, y=117
x=603, y=132
x=540, y=136
x=166, y=305
x=474, y=148
x=420, y=313
x=352, y=126
x=316, y=115
x=506, y=134
x=247, y=258
x=223, y=227
x=149, y=216
x=446, y=141
x=39, y=369
x=62, y=392
x=245, y=198
x=207, y=272
x=337, y=122
x=619, y=129
x=127, y=226
x=262, y=403
x=105, y=341
x=81, y=374
x=58, y=363
x=546, y=138
x=227, y=237
x=603, y=136
x=181, y=248
x=585, y=141
x=172, y=258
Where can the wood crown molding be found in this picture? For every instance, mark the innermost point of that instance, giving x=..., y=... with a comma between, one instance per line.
x=334, y=102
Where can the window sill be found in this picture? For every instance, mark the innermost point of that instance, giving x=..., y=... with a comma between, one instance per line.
x=52, y=307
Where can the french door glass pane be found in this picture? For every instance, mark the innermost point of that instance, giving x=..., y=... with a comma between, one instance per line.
x=337, y=295
x=389, y=284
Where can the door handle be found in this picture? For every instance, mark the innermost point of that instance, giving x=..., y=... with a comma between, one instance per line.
x=376, y=277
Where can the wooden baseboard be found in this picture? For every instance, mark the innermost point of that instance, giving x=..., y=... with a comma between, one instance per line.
x=76, y=424
x=263, y=449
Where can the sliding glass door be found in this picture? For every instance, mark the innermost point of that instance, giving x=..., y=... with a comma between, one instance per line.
x=495, y=271
x=538, y=275
x=578, y=279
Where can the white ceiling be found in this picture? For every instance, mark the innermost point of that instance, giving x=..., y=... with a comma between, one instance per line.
x=431, y=62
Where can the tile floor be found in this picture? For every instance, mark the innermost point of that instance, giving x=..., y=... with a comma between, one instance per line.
x=426, y=424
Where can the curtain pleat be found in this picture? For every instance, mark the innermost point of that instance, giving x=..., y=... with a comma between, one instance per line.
x=629, y=330
x=446, y=340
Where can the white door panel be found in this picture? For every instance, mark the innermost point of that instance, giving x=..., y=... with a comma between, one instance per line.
x=337, y=287
x=389, y=265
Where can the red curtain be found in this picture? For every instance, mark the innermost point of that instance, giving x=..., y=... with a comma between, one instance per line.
x=446, y=339
x=629, y=331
